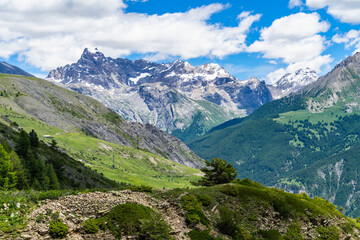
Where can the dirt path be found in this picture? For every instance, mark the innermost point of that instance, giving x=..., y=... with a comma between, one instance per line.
x=75, y=209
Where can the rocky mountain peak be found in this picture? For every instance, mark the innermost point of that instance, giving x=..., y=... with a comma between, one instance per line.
x=293, y=82
x=165, y=95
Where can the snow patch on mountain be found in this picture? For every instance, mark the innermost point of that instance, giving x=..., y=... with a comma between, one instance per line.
x=293, y=82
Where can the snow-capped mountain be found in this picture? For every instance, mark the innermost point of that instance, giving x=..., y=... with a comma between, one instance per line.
x=293, y=82
x=169, y=96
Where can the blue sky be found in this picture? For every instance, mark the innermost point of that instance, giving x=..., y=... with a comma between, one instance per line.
x=249, y=38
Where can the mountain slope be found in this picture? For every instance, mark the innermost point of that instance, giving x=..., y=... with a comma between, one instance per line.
x=91, y=133
x=167, y=95
x=73, y=112
x=299, y=142
x=10, y=69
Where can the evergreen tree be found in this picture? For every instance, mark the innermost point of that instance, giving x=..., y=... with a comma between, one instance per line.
x=22, y=144
x=54, y=181
x=22, y=174
x=34, y=140
x=217, y=171
x=7, y=173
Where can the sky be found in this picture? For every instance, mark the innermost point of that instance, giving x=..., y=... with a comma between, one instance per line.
x=262, y=38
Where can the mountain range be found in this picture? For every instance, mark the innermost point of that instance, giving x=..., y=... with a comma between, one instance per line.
x=175, y=97
x=306, y=142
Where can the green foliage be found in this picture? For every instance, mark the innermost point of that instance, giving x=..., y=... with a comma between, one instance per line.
x=293, y=232
x=135, y=219
x=270, y=234
x=191, y=203
x=58, y=229
x=192, y=218
x=8, y=178
x=225, y=223
x=328, y=233
x=154, y=228
x=141, y=188
x=217, y=171
x=201, y=235
x=91, y=226
x=205, y=199
x=22, y=144
x=193, y=206
x=33, y=138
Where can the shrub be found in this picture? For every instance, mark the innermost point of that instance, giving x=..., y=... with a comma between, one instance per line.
x=293, y=232
x=154, y=228
x=201, y=235
x=58, y=229
x=191, y=203
x=328, y=233
x=270, y=234
x=192, y=219
x=225, y=223
x=91, y=226
x=205, y=199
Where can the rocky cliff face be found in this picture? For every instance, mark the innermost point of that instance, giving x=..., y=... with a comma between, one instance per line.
x=165, y=95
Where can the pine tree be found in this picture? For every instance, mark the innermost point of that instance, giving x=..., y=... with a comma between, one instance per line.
x=7, y=173
x=22, y=144
x=22, y=174
x=34, y=140
x=54, y=181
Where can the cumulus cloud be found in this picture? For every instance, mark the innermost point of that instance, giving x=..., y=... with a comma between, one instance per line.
x=47, y=34
x=296, y=41
x=351, y=39
x=347, y=11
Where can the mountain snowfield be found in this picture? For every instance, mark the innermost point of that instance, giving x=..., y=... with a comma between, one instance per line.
x=172, y=96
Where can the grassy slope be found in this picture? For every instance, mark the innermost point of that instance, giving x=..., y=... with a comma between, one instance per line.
x=131, y=165
x=284, y=142
x=256, y=209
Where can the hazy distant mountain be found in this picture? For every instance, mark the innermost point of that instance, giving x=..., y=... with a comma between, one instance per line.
x=10, y=69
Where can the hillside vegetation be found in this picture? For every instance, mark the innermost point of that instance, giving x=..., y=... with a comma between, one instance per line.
x=305, y=142
x=114, y=159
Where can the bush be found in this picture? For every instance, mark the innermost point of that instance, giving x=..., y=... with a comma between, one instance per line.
x=91, y=226
x=328, y=233
x=58, y=229
x=201, y=235
x=270, y=234
x=293, y=232
x=191, y=203
x=154, y=228
x=226, y=223
x=205, y=199
x=192, y=219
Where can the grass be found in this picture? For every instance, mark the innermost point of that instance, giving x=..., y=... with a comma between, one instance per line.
x=116, y=162
x=243, y=204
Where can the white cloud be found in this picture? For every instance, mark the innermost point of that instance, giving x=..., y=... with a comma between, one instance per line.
x=47, y=34
x=351, y=39
x=296, y=41
x=295, y=3
x=347, y=11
